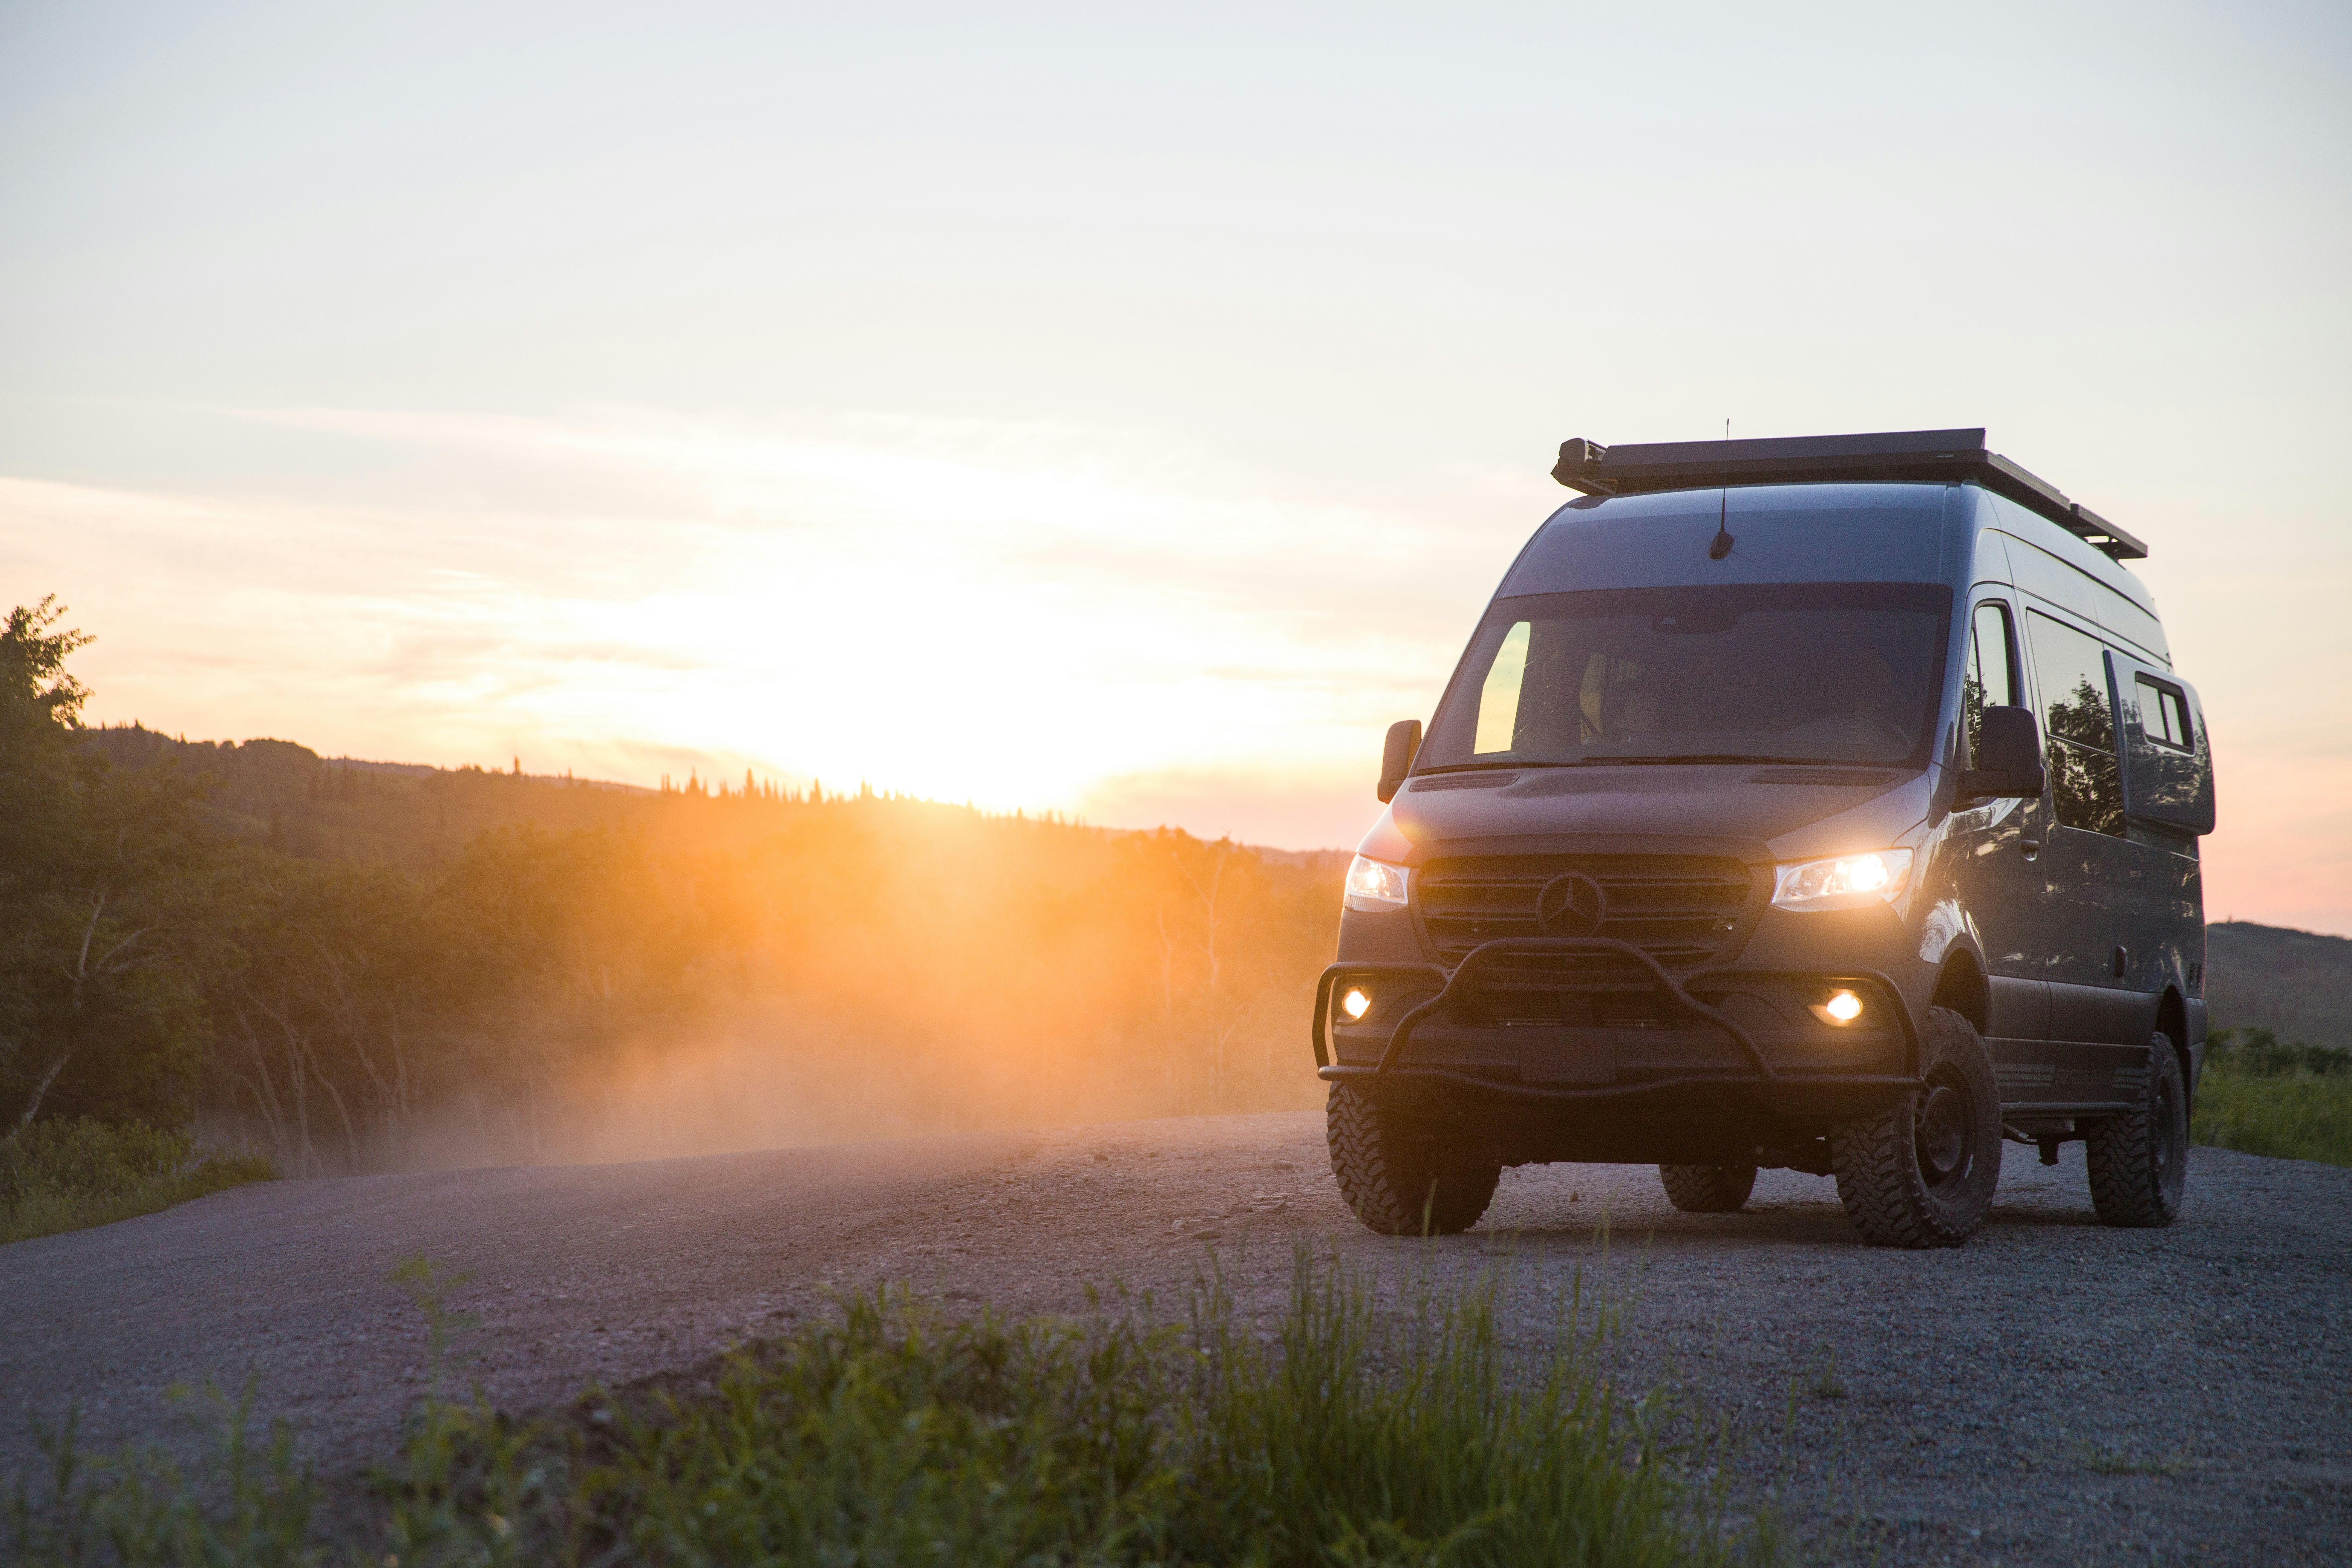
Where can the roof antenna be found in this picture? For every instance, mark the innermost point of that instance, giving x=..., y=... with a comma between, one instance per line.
x=1720, y=545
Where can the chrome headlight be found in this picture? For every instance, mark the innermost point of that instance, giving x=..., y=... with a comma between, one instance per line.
x=1847, y=883
x=1375, y=886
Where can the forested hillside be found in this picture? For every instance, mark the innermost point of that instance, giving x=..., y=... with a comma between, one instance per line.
x=287, y=797
x=2295, y=984
x=369, y=968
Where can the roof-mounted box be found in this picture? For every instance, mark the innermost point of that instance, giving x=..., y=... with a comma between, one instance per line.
x=1937, y=456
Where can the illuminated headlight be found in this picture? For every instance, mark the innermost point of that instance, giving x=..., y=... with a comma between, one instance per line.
x=1356, y=1002
x=1375, y=886
x=1848, y=883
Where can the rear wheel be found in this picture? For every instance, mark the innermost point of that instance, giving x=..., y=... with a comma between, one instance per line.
x=1402, y=1180
x=2139, y=1160
x=1922, y=1171
x=1707, y=1189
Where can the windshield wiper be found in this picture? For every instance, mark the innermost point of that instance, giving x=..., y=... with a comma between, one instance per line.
x=1501, y=767
x=1705, y=757
x=1701, y=758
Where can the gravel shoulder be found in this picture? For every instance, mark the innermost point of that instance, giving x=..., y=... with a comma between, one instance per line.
x=2054, y=1392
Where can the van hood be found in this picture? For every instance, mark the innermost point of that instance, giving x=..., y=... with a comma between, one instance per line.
x=1757, y=813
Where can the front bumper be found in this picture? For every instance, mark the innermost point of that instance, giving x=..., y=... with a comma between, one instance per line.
x=1719, y=1041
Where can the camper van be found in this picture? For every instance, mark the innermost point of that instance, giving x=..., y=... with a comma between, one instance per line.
x=1828, y=804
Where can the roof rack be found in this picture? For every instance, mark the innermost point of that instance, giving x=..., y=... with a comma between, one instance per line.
x=1945, y=456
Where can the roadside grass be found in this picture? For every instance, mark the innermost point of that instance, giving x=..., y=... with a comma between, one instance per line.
x=896, y=1434
x=244, y=1501
x=2291, y=1101
x=1825, y=1382
x=68, y=1175
x=2101, y=1460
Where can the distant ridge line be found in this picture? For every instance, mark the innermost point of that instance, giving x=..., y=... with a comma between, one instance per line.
x=427, y=771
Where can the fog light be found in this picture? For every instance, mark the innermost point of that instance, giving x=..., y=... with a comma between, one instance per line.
x=1356, y=1002
x=1842, y=1008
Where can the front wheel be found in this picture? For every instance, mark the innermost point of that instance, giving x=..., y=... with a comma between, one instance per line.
x=2139, y=1160
x=1922, y=1171
x=1401, y=1180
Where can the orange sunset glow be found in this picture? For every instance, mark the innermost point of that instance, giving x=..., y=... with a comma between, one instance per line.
x=1132, y=441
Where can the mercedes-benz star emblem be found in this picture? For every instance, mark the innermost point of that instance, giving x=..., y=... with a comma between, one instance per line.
x=1571, y=905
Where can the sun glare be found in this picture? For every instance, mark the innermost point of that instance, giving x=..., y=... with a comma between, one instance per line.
x=1017, y=616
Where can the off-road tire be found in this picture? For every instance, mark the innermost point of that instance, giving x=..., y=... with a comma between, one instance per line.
x=1922, y=1171
x=1708, y=1189
x=1398, y=1180
x=2139, y=1160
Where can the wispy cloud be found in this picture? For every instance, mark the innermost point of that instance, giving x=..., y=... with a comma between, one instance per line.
x=1012, y=614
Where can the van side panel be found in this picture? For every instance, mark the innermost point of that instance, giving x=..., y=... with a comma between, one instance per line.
x=2044, y=561
x=1993, y=559
x=1993, y=880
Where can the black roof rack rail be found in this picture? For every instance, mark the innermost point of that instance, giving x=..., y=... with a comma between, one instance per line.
x=1945, y=456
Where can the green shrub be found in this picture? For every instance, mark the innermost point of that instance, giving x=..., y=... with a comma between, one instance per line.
x=60, y=1176
x=2258, y=1053
x=246, y=1503
x=1353, y=1445
x=897, y=1436
x=2299, y=1118
x=2289, y=1100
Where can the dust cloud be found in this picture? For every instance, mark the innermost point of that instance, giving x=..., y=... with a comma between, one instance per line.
x=748, y=972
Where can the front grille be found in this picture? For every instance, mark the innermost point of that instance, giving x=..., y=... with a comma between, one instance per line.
x=1680, y=908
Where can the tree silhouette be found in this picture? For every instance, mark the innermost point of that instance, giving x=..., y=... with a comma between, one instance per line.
x=2084, y=783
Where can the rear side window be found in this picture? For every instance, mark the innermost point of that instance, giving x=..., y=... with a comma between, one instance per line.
x=2164, y=716
x=2076, y=710
x=1990, y=679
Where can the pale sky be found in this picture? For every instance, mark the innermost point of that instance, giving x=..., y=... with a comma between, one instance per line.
x=1125, y=415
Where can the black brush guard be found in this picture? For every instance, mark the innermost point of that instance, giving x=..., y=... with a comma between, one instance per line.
x=1764, y=1085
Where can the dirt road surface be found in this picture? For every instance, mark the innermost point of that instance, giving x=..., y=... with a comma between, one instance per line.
x=2054, y=1392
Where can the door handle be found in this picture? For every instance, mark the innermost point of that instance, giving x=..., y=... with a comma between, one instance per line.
x=2032, y=847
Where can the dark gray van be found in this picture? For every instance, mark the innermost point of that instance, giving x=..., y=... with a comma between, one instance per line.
x=1830, y=803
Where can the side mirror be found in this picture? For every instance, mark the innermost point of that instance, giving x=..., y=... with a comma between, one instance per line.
x=2008, y=758
x=1396, y=756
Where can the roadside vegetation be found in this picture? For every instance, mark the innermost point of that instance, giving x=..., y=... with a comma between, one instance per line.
x=2286, y=1100
x=368, y=969
x=57, y=1175
x=894, y=1434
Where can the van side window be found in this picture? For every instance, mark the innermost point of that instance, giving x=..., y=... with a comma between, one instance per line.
x=1989, y=681
x=2164, y=716
x=2076, y=710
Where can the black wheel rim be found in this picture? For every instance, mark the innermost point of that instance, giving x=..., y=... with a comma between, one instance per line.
x=1942, y=1134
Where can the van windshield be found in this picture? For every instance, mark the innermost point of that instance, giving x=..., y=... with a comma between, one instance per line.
x=1783, y=673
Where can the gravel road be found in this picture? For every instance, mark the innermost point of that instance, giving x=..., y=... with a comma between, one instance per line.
x=2054, y=1392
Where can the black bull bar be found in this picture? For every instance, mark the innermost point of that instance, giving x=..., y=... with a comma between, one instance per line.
x=1764, y=1084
